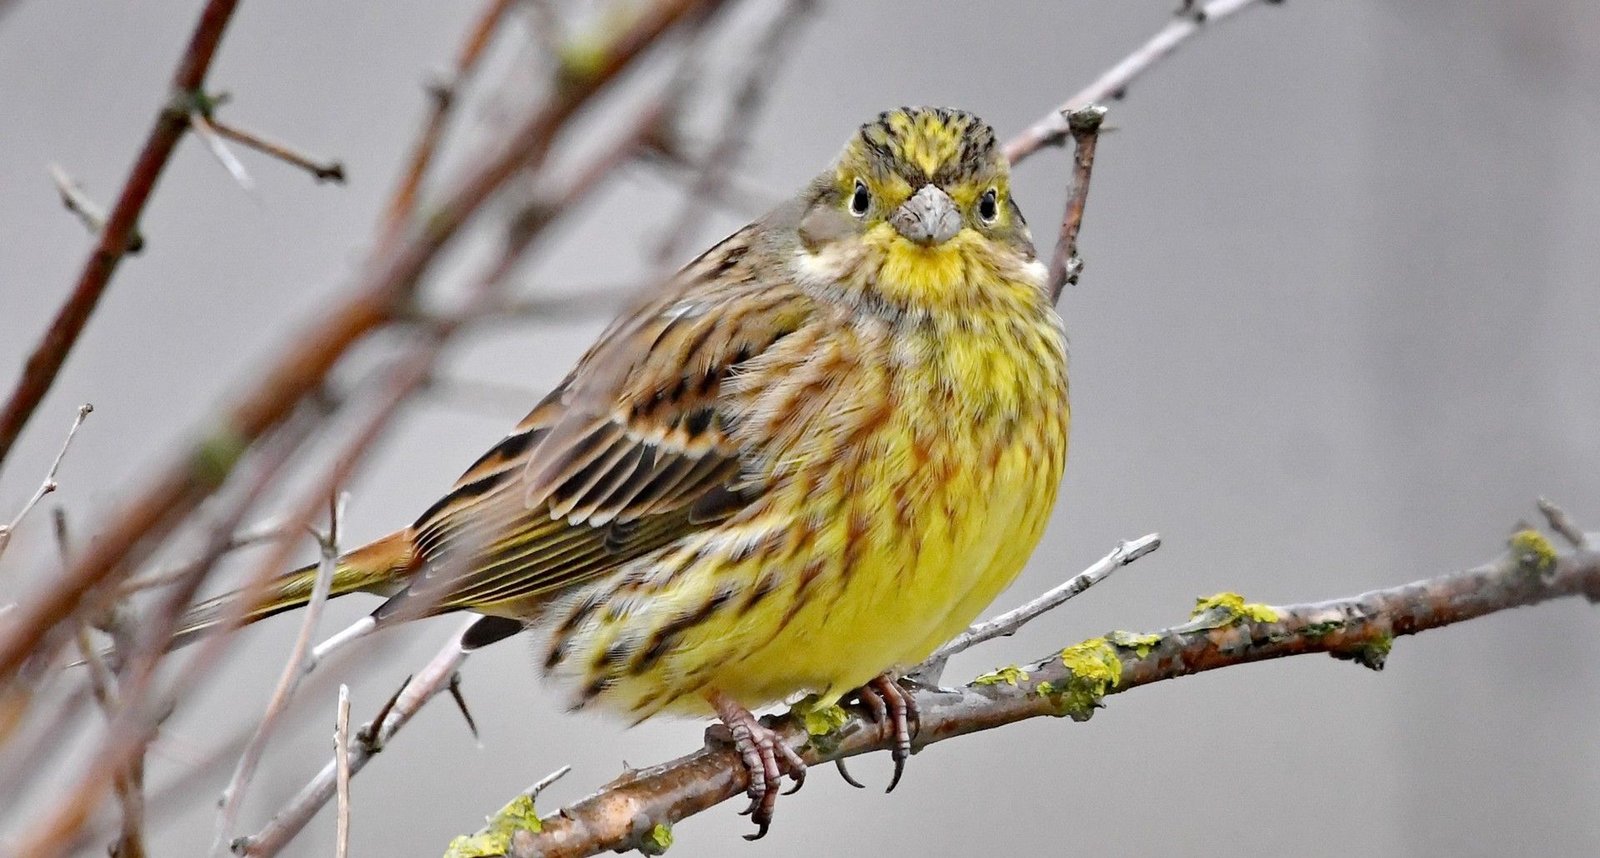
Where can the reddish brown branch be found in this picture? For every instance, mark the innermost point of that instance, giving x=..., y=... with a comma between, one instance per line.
x=40, y=371
x=624, y=812
x=322, y=171
x=1065, y=266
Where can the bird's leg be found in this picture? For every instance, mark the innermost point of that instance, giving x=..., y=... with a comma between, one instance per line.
x=889, y=703
x=765, y=756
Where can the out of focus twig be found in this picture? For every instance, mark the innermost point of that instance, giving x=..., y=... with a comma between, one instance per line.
x=88, y=212
x=49, y=484
x=341, y=753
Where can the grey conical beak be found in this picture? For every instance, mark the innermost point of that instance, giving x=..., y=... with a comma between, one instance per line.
x=928, y=218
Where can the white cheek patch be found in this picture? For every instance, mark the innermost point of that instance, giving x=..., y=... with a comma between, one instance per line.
x=1035, y=270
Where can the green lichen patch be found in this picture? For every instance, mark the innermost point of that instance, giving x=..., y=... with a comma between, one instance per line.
x=1095, y=670
x=1225, y=609
x=1140, y=644
x=1373, y=655
x=657, y=841
x=819, y=720
x=495, y=838
x=1533, y=552
x=1010, y=675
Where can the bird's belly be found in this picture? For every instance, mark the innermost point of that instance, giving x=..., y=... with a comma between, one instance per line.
x=900, y=582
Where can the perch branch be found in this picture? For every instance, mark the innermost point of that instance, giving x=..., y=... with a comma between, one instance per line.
x=1053, y=129
x=1223, y=632
x=39, y=373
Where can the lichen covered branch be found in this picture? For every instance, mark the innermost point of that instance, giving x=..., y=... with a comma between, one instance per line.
x=1223, y=631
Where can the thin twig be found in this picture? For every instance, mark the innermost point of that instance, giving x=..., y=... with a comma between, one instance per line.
x=39, y=373
x=88, y=212
x=269, y=531
x=1073, y=683
x=220, y=150
x=1009, y=622
x=293, y=671
x=1065, y=266
x=1053, y=129
x=49, y=485
x=442, y=97
x=429, y=682
x=341, y=752
x=322, y=171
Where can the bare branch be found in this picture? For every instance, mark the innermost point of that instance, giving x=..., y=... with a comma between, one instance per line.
x=341, y=752
x=293, y=671
x=1224, y=631
x=322, y=171
x=1009, y=622
x=1563, y=524
x=1053, y=129
x=115, y=239
x=427, y=684
x=49, y=485
x=1065, y=266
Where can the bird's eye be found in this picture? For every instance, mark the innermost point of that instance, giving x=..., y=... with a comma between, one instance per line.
x=988, y=208
x=860, y=199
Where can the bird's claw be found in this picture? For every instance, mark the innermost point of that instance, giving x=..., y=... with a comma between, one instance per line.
x=890, y=704
x=766, y=758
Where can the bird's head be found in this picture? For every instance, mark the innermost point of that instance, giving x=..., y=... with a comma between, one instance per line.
x=916, y=198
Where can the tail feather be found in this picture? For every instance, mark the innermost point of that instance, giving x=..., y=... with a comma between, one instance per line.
x=380, y=567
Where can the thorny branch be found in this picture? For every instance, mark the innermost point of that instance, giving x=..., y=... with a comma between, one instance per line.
x=1223, y=631
x=39, y=373
x=1065, y=266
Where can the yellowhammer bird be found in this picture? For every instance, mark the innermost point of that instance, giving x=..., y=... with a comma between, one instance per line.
x=817, y=454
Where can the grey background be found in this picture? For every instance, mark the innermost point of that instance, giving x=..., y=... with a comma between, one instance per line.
x=1339, y=327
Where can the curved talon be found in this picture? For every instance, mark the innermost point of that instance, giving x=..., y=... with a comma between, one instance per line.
x=902, y=714
x=765, y=757
x=845, y=773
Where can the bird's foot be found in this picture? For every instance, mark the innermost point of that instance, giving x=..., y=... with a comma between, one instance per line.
x=765, y=756
x=891, y=705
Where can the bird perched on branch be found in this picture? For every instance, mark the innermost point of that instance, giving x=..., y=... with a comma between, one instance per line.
x=812, y=457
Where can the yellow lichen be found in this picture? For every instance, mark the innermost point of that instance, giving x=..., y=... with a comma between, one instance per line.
x=1095, y=671
x=495, y=838
x=1140, y=644
x=1010, y=675
x=658, y=841
x=1533, y=552
x=1231, y=608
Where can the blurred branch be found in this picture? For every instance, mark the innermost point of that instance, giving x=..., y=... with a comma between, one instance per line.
x=39, y=373
x=1053, y=130
x=386, y=288
x=1223, y=631
x=49, y=485
x=442, y=95
x=88, y=212
x=288, y=681
x=341, y=753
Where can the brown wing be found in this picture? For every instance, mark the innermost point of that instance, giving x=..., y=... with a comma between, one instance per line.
x=632, y=451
